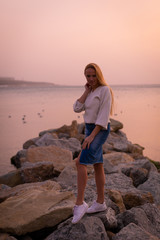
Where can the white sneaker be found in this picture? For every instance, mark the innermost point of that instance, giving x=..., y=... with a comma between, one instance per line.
x=79, y=211
x=97, y=207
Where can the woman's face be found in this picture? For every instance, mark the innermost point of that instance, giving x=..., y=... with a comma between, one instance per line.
x=92, y=80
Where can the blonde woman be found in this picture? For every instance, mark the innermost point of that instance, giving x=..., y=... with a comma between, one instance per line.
x=97, y=102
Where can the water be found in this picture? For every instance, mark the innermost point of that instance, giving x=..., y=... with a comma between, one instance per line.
x=26, y=111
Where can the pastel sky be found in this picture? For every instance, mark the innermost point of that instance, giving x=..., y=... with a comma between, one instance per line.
x=53, y=40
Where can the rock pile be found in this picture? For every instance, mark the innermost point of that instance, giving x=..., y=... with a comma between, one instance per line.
x=36, y=199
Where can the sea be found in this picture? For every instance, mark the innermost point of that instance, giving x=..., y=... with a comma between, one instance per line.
x=27, y=110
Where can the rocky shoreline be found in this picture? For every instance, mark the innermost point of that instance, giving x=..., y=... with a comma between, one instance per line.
x=37, y=198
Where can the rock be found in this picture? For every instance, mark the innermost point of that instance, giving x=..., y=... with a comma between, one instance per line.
x=5, y=236
x=116, y=197
x=87, y=228
x=81, y=128
x=153, y=214
x=119, y=182
x=68, y=177
x=139, y=217
x=117, y=141
x=71, y=130
x=133, y=199
x=4, y=187
x=113, y=166
x=71, y=144
x=30, y=142
x=20, y=189
x=58, y=156
x=138, y=175
x=41, y=208
x=135, y=149
x=115, y=125
x=12, y=178
x=37, y=172
x=16, y=160
x=30, y=172
x=116, y=158
x=152, y=185
x=132, y=231
x=145, y=163
x=108, y=218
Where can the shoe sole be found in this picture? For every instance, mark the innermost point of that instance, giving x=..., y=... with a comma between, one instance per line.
x=98, y=211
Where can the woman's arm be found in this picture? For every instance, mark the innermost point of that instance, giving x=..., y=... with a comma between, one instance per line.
x=91, y=137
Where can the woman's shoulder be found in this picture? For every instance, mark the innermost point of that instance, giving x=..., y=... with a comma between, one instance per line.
x=104, y=89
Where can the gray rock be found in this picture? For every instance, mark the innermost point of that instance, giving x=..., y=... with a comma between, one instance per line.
x=120, y=182
x=152, y=185
x=108, y=218
x=133, y=232
x=118, y=142
x=139, y=217
x=153, y=214
x=30, y=142
x=87, y=228
x=71, y=144
x=68, y=177
x=138, y=175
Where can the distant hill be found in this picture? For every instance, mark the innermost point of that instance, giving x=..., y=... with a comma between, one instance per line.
x=5, y=81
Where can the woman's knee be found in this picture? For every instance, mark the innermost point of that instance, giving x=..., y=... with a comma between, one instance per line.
x=98, y=167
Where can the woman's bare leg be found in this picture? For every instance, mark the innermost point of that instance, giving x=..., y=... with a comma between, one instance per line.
x=100, y=181
x=81, y=181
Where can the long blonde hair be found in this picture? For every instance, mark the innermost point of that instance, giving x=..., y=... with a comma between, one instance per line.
x=101, y=80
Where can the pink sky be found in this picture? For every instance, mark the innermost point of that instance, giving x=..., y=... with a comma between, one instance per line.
x=53, y=40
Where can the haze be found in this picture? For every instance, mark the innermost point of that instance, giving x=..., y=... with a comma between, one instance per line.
x=53, y=40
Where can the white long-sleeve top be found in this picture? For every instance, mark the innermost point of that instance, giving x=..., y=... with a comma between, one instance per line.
x=97, y=106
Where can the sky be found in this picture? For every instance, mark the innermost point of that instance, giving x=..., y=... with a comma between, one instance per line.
x=53, y=40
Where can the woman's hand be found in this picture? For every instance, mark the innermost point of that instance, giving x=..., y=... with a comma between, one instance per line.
x=88, y=87
x=87, y=142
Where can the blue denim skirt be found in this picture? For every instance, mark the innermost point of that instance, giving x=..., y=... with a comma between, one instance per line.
x=95, y=153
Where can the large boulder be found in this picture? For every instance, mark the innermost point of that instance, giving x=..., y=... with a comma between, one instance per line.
x=117, y=141
x=11, y=178
x=152, y=185
x=113, y=162
x=58, y=156
x=68, y=177
x=37, y=172
x=132, y=231
x=30, y=172
x=147, y=217
x=115, y=125
x=71, y=144
x=34, y=210
x=71, y=131
x=87, y=228
x=20, y=189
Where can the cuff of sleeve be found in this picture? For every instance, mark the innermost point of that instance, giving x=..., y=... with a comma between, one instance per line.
x=78, y=104
x=103, y=125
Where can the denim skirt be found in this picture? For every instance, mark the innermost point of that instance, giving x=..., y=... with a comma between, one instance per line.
x=95, y=153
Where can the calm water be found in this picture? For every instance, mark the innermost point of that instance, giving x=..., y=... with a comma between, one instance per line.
x=27, y=111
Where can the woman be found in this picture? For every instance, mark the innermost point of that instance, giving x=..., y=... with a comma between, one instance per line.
x=97, y=102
